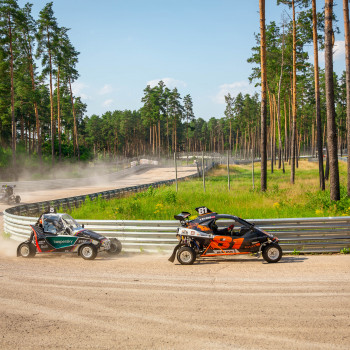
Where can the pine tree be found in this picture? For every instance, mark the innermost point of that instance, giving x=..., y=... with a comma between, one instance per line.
x=8, y=22
x=47, y=37
x=28, y=28
x=263, y=142
x=189, y=115
x=332, y=139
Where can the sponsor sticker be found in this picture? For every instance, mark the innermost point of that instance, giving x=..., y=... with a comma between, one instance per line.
x=227, y=251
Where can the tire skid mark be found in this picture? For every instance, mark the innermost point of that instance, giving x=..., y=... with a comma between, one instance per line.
x=15, y=307
x=164, y=288
x=216, y=329
x=19, y=306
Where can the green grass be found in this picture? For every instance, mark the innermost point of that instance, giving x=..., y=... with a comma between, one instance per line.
x=281, y=200
x=6, y=235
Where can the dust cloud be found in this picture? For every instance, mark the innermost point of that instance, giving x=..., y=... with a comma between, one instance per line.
x=8, y=247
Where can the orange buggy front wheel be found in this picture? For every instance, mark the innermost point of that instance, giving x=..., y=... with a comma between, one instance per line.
x=272, y=253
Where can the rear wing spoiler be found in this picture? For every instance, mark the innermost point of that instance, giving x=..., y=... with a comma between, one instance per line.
x=182, y=216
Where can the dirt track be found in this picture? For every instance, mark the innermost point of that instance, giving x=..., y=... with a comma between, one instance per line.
x=145, y=302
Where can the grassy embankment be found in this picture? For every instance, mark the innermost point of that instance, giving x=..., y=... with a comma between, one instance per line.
x=281, y=199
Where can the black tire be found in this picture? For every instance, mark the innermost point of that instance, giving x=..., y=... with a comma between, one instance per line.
x=116, y=247
x=26, y=250
x=88, y=251
x=272, y=253
x=186, y=256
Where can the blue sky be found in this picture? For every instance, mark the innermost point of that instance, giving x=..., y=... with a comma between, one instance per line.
x=199, y=46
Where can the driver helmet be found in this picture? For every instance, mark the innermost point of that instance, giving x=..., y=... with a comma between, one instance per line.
x=52, y=225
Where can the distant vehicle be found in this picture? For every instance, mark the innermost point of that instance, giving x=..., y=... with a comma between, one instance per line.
x=8, y=196
x=201, y=237
x=60, y=233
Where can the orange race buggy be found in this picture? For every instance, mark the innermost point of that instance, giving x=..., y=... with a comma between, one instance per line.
x=201, y=237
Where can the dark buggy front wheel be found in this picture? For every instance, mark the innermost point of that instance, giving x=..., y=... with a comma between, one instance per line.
x=272, y=253
x=186, y=256
x=88, y=251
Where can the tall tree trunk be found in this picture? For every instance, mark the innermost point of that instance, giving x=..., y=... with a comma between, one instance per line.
x=347, y=66
x=159, y=143
x=280, y=152
x=263, y=143
x=175, y=145
x=167, y=135
x=36, y=112
x=75, y=126
x=51, y=105
x=22, y=127
x=271, y=129
x=285, y=132
x=230, y=137
x=317, y=100
x=59, y=115
x=13, y=119
x=331, y=125
x=294, y=101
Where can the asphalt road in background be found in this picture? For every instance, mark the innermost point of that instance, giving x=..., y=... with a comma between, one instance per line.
x=36, y=191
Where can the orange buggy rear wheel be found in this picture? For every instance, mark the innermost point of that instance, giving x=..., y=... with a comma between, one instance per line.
x=186, y=256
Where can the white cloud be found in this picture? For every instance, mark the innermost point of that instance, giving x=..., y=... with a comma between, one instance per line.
x=339, y=50
x=107, y=89
x=338, y=53
x=107, y=103
x=78, y=88
x=234, y=88
x=169, y=82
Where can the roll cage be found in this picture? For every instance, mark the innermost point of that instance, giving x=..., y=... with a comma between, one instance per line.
x=207, y=222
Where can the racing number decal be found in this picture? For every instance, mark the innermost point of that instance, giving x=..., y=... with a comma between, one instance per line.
x=226, y=242
x=222, y=242
x=202, y=210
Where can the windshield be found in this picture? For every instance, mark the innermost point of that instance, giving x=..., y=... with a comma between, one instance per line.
x=70, y=221
x=52, y=224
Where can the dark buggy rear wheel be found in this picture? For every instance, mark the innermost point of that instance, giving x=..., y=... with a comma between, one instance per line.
x=26, y=250
x=116, y=247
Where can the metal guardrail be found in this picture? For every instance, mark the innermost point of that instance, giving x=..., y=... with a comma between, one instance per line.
x=304, y=235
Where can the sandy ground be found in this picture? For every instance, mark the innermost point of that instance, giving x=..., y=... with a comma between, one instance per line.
x=145, y=302
x=140, y=301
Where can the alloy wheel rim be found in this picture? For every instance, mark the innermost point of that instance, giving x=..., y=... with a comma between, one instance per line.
x=87, y=252
x=186, y=256
x=273, y=253
x=113, y=248
x=25, y=250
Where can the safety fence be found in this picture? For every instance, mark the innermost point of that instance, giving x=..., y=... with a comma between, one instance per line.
x=304, y=235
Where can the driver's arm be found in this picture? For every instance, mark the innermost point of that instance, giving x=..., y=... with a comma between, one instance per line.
x=226, y=230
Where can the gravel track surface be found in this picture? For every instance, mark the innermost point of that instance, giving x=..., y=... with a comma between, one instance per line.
x=145, y=302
